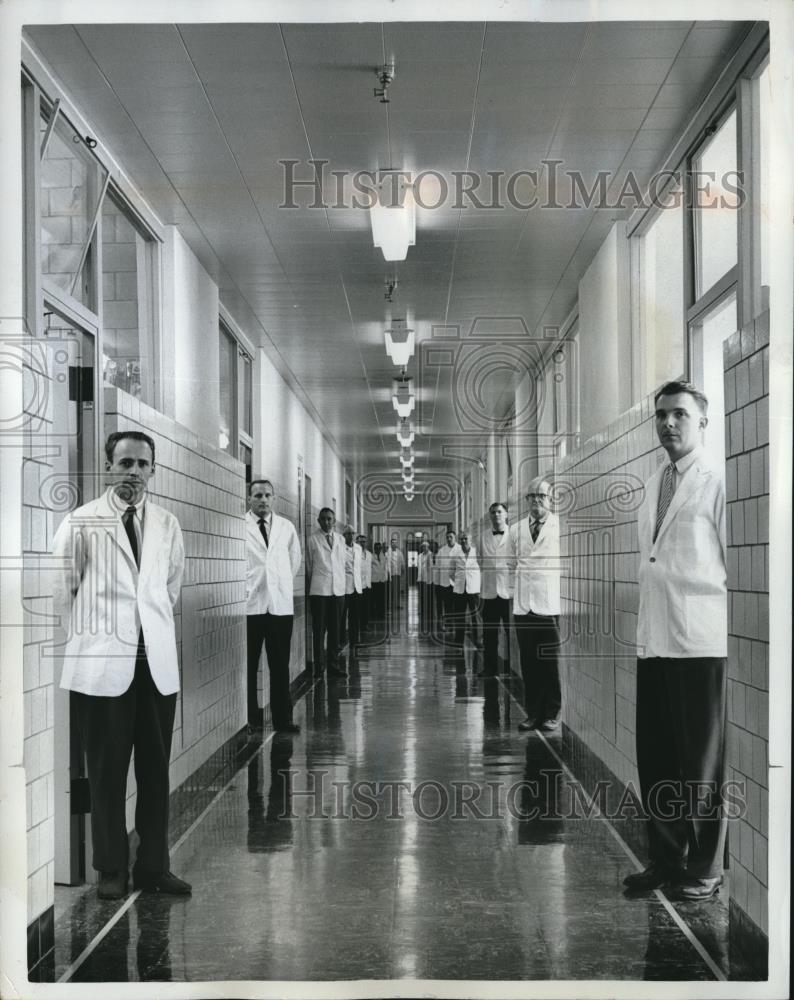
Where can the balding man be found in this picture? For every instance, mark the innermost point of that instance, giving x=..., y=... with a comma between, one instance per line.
x=535, y=542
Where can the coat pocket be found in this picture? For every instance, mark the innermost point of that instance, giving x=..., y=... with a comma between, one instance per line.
x=706, y=618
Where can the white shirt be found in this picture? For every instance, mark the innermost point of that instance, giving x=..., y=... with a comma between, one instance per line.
x=326, y=564
x=366, y=569
x=444, y=564
x=380, y=568
x=538, y=567
x=353, y=554
x=396, y=561
x=465, y=571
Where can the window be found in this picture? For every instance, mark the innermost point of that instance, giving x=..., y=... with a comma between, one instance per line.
x=127, y=306
x=658, y=296
x=71, y=187
x=235, y=370
x=715, y=215
x=709, y=333
x=348, y=501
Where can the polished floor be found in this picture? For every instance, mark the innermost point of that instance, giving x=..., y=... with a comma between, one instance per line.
x=409, y=831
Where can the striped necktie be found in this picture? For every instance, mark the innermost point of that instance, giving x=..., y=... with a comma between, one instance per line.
x=665, y=497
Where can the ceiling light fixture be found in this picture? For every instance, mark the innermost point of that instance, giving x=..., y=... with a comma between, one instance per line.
x=403, y=397
x=393, y=214
x=385, y=76
x=400, y=342
x=405, y=433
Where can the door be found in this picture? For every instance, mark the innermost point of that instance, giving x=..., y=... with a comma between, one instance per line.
x=72, y=367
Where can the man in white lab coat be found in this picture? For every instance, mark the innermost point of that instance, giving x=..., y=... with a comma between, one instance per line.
x=366, y=582
x=497, y=568
x=682, y=636
x=380, y=580
x=535, y=543
x=396, y=562
x=466, y=588
x=325, y=570
x=274, y=557
x=444, y=571
x=121, y=560
x=424, y=582
x=353, y=588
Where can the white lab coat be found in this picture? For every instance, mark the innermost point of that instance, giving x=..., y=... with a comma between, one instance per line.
x=104, y=600
x=326, y=566
x=683, y=608
x=497, y=564
x=465, y=571
x=271, y=567
x=353, y=584
x=380, y=568
x=396, y=562
x=424, y=563
x=537, y=577
x=444, y=568
x=366, y=569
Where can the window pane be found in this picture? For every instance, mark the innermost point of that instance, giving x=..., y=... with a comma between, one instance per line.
x=71, y=184
x=764, y=100
x=126, y=299
x=710, y=333
x=246, y=391
x=228, y=395
x=661, y=291
x=716, y=206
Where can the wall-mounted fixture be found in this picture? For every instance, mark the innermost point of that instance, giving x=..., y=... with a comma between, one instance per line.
x=393, y=214
x=391, y=289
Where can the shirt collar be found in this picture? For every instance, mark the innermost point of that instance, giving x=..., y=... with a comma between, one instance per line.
x=540, y=520
x=139, y=506
x=687, y=461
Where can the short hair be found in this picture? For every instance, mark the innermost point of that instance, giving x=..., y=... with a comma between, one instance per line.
x=326, y=510
x=498, y=503
x=673, y=388
x=451, y=532
x=116, y=436
x=253, y=483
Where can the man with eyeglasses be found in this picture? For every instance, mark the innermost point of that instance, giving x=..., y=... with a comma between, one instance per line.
x=535, y=543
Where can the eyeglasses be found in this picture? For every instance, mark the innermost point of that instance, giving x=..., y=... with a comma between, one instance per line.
x=537, y=496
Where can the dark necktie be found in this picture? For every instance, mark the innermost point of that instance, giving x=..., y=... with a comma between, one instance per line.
x=330, y=539
x=263, y=529
x=665, y=497
x=127, y=519
x=535, y=529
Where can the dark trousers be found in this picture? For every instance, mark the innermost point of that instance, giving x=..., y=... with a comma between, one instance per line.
x=378, y=600
x=365, y=606
x=275, y=631
x=538, y=645
x=495, y=612
x=394, y=592
x=326, y=619
x=352, y=616
x=426, y=605
x=681, y=709
x=467, y=611
x=110, y=728
x=447, y=607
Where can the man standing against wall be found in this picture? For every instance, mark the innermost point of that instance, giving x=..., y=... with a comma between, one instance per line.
x=366, y=582
x=444, y=567
x=380, y=579
x=121, y=560
x=682, y=636
x=274, y=557
x=535, y=544
x=466, y=588
x=353, y=587
x=396, y=566
x=498, y=566
x=325, y=568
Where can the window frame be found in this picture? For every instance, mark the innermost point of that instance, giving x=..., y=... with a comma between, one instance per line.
x=244, y=351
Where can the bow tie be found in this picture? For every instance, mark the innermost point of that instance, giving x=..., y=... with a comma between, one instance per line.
x=498, y=532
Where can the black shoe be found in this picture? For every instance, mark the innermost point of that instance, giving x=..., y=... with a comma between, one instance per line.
x=550, y=725
x=112, y=885
x=290, y=727
x=527, y=725
x=653, y=877
x=165, y=882
x=696, y=888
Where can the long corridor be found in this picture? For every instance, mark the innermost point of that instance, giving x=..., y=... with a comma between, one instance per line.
x=408, y=832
